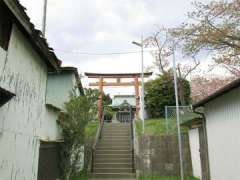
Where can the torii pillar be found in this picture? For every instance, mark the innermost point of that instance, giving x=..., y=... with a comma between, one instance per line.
x=136, y=86
x=100, y=98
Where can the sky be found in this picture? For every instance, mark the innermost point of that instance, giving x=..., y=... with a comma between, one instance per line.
x=76, y=28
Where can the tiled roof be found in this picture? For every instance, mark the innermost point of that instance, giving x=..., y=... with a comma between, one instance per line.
x=34, y=35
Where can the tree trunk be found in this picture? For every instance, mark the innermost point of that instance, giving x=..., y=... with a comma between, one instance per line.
x=181, y=92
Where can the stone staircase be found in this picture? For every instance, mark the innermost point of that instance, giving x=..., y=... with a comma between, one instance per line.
x=113, y=155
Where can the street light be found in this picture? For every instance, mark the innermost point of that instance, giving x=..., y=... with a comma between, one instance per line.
x=142, y=77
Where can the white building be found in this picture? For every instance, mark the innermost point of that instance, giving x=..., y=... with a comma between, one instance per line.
x=217, y=135
x=27, y=120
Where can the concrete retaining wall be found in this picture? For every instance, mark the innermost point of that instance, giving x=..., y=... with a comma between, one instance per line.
x=159, y=155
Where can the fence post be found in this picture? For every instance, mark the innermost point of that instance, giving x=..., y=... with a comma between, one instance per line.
x=166, y=119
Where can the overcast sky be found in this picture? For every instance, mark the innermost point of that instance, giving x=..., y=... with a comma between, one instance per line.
x=104, y=26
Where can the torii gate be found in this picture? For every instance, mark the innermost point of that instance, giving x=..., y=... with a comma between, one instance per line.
x=118, y=77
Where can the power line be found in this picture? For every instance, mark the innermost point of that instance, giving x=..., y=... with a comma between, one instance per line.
x=100, y=54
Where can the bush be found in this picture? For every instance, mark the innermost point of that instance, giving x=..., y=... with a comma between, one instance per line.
x=73, y=122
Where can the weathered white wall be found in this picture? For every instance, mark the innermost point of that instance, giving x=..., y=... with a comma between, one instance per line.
x=59, y=87
x=49, y=129
x=3, y=56
x=223, y=124
x=195, y=154
x=24, y=116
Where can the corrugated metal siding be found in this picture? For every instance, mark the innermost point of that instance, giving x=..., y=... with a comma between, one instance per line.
x=223, y=124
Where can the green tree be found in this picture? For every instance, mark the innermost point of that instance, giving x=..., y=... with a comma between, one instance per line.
x=93, y=95
x=73, y=122
x=160, y=93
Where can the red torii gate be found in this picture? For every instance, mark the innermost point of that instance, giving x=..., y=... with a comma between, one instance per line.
x=118, y=77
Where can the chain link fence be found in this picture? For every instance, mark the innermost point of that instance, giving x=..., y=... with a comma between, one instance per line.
x=185, y=114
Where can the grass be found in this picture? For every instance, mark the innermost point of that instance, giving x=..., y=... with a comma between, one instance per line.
x=82, y=176
x=152, y=127
x=91, y=129
x=157, y=127
x=166, y=178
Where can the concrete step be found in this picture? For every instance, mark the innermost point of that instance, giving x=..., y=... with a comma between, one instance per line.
x=116, y=132
x=113, y=160
x=112, y=165
x=107, y=144
x=116, y=124
x=113, y=152
x=113, y=170
x=117, y=127
x=113, y=156
x=115, y=139
x=112, y=175
x=114, y=148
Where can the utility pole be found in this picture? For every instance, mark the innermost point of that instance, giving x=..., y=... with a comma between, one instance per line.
x=142, y=92
x=142, y=79
x=177, y=113
x=44, y=20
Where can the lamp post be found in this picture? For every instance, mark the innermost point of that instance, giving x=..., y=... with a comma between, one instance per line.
x=142, y=77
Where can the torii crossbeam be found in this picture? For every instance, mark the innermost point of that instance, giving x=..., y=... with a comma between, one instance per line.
x=118, y=77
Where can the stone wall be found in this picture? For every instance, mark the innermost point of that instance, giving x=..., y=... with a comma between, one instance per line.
x=159, y=155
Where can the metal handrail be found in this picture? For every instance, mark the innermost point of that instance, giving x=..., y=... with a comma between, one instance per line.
x=133, y=153
x=98, y=136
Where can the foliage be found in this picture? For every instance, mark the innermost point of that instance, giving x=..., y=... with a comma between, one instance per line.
x=93, y=95
x=202, y=87
x=91, y=129
x=163, y=42
x=215, y=28
x=108, y=113
x=160, y=93
x=82, y=176
x=73, y=122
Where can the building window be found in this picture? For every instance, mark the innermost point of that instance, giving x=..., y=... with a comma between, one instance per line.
x=5, y=26
x=5, y=96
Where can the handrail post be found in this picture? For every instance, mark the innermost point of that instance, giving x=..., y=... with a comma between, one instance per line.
x=132, y=138
x=98, y=136
x=92, y=165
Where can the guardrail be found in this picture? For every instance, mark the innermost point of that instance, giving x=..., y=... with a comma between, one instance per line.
x=133, y=153
x=97, y=137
